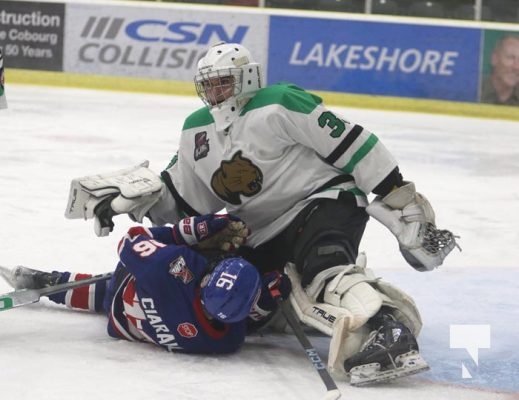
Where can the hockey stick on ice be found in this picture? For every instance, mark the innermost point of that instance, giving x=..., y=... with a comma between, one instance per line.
x=333, y=392
x=24, y=297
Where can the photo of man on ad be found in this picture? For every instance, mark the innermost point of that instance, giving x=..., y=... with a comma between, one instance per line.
x=500, y=80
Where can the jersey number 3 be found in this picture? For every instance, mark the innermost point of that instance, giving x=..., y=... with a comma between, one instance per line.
x=331, y=121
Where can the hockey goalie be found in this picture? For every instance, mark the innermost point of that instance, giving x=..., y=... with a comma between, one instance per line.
x=299, y=175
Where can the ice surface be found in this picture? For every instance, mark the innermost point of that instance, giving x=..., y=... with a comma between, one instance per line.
x=467, y=167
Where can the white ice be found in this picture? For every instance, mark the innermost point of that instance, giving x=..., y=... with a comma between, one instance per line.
x=467, y=167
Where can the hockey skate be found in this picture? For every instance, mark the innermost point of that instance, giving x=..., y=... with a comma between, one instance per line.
x=26, y=278
x=390, y=352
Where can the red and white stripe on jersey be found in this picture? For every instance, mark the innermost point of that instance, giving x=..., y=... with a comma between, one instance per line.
x=187, y=230
x=133, y=311
x=82, y=297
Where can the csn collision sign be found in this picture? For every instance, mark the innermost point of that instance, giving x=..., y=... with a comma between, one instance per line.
x=105, y=48
x=161, y=45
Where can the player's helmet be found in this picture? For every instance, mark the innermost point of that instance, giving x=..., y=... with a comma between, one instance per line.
x=226, y=79
x=231, y=290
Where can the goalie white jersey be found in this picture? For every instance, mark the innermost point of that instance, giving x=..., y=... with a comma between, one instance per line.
x=284, y=150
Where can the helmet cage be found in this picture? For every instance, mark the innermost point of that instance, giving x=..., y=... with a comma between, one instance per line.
x=216, y=86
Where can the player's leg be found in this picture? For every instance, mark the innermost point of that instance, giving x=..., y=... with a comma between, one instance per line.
x=372, y=323
x=89, y=297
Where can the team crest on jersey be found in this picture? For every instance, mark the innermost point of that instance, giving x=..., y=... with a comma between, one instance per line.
x=187, y=330
x=236, y=177
x=179, y=269
x=201, y=145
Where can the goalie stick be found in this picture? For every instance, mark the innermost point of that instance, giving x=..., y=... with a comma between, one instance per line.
x=25, y=297
x=333, y=392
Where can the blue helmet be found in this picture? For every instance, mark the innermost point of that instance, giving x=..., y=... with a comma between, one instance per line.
x=231, y=290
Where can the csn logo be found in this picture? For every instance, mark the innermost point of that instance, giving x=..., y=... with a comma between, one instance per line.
x=156, y=42
x=151, y=30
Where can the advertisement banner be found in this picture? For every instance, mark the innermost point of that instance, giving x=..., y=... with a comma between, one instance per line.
x=154, y=42
x=31, y=35
x=437, y=62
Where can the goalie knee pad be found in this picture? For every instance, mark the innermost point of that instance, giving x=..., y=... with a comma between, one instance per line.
x=325, y=254
x=346, y=294
x=318, y=246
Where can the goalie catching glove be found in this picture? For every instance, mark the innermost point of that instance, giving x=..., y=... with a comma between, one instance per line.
x=410, y=217
x=206, y=232
x=132, y=191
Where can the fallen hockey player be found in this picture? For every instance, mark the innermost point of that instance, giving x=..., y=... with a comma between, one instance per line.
x=167, y=293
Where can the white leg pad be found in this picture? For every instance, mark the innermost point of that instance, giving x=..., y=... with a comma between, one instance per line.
x=351, y=298
x=404, y=307
x=354, y=293
x=343, y=345
x=320, y=316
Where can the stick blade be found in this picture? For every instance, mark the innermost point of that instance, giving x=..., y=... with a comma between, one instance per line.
x=18, y=298
x=332, y=394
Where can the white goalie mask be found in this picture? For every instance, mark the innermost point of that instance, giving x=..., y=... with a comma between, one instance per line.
x=226, y=80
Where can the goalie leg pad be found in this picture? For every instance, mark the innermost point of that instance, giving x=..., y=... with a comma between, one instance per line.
x=403, y=306
x=343, y=345
x=349, y=296
x=354, y=293
x=320, y=316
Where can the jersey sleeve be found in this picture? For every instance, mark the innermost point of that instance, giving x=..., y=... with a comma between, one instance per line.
x=148, y=258
x=347, y=146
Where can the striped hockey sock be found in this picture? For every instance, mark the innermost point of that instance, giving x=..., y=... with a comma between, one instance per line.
x=88, y=297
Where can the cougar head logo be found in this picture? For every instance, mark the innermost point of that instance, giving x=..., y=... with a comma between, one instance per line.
x=236, y=177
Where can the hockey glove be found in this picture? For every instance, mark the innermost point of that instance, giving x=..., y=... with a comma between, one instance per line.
x=211, y=232
x=410, y=217
x=275, y=285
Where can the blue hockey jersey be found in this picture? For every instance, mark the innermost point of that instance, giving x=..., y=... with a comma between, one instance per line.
x=158, y=298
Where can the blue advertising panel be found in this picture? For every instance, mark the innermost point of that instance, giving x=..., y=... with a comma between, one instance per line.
x=380, y=58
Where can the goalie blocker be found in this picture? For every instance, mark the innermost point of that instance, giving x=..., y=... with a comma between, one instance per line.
x=132, y=191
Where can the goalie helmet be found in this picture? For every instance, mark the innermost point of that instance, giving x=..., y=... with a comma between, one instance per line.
x=231, y=290
x=227, y=77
